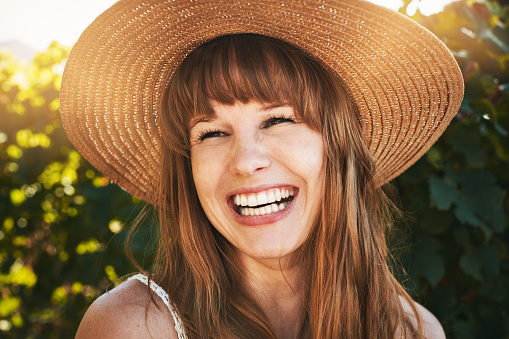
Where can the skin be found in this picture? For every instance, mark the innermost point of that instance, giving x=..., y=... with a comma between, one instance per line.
x=244, y=148
x=127, y=312
x=247, y=148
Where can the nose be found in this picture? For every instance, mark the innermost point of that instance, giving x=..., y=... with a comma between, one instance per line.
x=249, y=156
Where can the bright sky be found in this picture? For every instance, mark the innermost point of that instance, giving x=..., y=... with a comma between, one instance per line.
x=38, y=22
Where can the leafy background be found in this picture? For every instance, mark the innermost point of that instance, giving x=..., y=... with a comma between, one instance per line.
x=63, y=225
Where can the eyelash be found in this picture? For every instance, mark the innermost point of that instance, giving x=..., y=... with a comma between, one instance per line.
x=271, y=121
x=208, y=133
x=281, y=118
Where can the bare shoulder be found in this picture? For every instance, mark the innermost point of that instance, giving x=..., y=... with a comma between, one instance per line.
x=125, y=312
x=432, y=327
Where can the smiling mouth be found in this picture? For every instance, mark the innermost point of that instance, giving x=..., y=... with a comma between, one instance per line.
x=263, y=203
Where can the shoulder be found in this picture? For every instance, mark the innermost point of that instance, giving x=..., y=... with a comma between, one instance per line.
x=432, y=327
x=127, y=311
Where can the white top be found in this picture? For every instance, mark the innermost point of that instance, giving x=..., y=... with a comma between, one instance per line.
x=164, y=296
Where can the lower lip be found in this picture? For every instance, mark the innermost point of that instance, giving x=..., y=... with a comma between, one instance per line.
x=261, y=220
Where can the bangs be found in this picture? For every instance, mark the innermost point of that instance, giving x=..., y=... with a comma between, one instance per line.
x=249, y=67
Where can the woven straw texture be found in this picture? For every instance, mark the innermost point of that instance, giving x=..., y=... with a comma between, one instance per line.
x=405, y=83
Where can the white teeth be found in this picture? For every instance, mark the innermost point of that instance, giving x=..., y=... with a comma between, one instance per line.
x=270, y=197
x=251, y=201
x=248, y=202
x=263, y=210
x=262, y=198
x=277, y=194
x=243, y=200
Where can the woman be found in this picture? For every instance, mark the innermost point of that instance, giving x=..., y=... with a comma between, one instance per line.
x=261, y=133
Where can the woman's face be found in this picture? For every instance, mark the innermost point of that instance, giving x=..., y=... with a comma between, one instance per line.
x=258, y=173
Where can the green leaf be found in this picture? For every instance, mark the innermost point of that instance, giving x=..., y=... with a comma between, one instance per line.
x=484, y=198
x=426, y=261
x=442, y=192
x=477, y=198
x=9, y=305
x=465, y=213
x=470, y=263
x=466, y=139
x=22, y=275
x=482, y=261
x=435, y=158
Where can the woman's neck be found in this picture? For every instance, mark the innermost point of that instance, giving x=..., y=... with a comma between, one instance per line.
x=277, y=286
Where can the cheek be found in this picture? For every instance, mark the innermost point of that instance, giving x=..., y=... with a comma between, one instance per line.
x=197, y=173
x=208, y=169
x=202, y=173
x=310, y=166
x=306, y=153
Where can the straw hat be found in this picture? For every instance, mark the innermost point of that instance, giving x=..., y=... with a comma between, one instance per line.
x=405, y=84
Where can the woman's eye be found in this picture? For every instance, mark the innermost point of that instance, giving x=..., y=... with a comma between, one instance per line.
x=278, y=120
x=211, y=134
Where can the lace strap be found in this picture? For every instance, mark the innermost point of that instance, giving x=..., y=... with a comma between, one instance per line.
x=164, y=296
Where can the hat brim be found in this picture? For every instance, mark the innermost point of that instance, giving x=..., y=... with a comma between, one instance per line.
x=405, y=84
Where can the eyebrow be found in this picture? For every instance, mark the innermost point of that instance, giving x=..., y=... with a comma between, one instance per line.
x=273, y=106
x=203, y=118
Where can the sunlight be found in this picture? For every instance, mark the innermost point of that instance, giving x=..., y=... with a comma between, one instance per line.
x=38, y=23
x=427, y=7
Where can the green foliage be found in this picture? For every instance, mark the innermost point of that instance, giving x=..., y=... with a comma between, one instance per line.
x=457, y=194
x=61, y=237
x=61, y=223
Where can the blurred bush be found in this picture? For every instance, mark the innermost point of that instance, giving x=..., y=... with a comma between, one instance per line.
x=457, y=194
x=62, y=224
